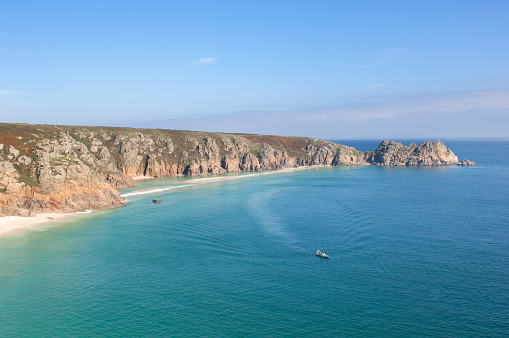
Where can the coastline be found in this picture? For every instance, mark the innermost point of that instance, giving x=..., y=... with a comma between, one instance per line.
x=139, y=178
x=205, y=180
x=85, y=167
x=9, y=224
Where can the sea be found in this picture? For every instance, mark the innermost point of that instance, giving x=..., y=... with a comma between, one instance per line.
x=414, y=252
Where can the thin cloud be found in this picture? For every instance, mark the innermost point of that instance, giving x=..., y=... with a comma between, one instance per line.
x=391, y=107
x=457, y=113
x=4, y=92
x=205, y=61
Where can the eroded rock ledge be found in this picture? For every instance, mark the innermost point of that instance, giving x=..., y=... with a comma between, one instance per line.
x=64, y=169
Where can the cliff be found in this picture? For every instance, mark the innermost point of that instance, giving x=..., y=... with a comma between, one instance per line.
x=64, y=168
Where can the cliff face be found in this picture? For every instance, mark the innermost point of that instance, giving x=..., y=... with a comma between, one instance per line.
x=62, y=168
x=427, y=154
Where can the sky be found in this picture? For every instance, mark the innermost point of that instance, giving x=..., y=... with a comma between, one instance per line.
x=330, y=69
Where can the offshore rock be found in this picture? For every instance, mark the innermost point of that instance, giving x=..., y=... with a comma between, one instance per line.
x=467, y=162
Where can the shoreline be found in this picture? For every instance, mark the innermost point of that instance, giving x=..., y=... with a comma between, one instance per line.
x=10, y=224
x=204, y=180
x=139, y=178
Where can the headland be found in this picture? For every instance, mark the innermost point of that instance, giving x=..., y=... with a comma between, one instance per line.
x=67, y=169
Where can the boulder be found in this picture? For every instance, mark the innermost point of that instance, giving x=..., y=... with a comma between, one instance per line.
x=467, y=162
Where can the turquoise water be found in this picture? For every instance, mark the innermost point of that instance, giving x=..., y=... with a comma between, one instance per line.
x=414, y=252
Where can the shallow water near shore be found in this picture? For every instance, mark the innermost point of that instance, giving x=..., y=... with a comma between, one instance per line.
x=413, y=252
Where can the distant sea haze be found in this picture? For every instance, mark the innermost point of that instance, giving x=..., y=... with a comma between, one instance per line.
x=413, y=252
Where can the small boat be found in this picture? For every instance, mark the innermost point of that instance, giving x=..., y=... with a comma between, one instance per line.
x=321, y=254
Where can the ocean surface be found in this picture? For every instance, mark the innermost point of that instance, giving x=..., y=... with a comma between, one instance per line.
x=413, y=252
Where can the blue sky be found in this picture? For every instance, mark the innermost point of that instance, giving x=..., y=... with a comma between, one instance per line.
x=328, y=69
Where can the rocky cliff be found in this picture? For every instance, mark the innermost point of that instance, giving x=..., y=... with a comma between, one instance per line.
x=63, y=168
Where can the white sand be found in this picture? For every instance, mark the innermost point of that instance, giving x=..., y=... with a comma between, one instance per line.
x=221, y=177
x=10, y=223
x=251, y=174
x=137, y=178
x=204, y=180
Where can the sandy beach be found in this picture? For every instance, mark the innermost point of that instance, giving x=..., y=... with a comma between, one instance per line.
x=204, y=180
x=138, y=178
x=249, y=174
x=11, y=223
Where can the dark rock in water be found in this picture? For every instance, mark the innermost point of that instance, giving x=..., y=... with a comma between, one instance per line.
x=467, y=162
x=157, y=201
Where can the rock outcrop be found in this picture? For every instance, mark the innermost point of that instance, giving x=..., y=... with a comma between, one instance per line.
x=63, y=168
x=467, y=162
x=390, y=153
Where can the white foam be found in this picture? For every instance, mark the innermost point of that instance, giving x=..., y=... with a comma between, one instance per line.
x=151, y=191
x=85, y=212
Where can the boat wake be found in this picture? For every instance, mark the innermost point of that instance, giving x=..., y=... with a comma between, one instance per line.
x=259, y=206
